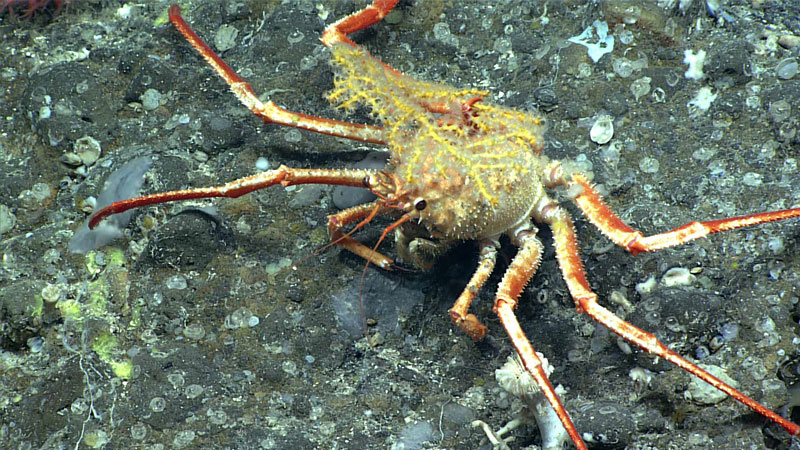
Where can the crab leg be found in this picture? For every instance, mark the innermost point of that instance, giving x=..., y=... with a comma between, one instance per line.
x=459, y=313
x=269, y=111
x=520, y=271
x=635, y=242
x=365, y=213
x=286, y=176
x=359, y=20
x=586, y=302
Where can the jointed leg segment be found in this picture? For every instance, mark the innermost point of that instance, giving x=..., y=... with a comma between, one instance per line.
x=586, y=301
x=286, y=176
x=635, y=242
x=359, y=20
x=459, y=313
x=516, y=277
x=269, y=111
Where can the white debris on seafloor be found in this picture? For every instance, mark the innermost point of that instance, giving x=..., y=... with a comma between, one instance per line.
x=515, y=380
x=603, y=45
x=602, y=130
x=123, y=184
x=678, y=276
x=695, y=62
x=701, y=102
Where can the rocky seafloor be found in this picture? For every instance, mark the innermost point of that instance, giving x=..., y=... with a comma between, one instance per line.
x=192, y=329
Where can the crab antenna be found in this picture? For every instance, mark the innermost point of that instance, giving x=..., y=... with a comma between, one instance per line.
x=406, y=217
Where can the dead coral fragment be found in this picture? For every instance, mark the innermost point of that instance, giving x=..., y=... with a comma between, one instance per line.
x=515, y=380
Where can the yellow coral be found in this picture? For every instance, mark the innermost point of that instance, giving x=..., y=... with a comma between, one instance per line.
x=427, y=125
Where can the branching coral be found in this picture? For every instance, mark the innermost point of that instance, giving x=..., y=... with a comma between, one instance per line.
x=29, y=8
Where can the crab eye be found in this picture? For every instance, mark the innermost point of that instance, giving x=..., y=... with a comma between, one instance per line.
x=420, y=204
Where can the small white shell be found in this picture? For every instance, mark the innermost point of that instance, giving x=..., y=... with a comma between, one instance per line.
x=677, y=276
x=88, y=149
x=602, y=130
x=786, y=69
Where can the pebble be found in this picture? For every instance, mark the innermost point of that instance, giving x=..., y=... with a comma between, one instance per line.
x=194, y=331
x=176, y=120
x=177, y=282
x=677, y=276
x=88, y=150
x=622, y=67
x=703, y=393
x=786, y=68
x=788, y=41
x=751, y=179
x=7, y=219
x=52, y=293
x=602, y=130
x=640, y=87
x=292, y=135
x=649, y=165
x=780, y=110
x=262, y=164
x=241, y=318
x=150, y=99
x=158, y=404
x=225, y=38
x=183, y=438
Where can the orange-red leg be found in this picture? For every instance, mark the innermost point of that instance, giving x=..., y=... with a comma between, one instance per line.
x=516, y=277
x=459, y=313
x=634, y=241
x=370, y=15
x=586, y=301
x=269, y=111
x=284, y=175
x=364, y=213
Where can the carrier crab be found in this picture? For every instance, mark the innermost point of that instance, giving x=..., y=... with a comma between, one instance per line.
x=460, y=169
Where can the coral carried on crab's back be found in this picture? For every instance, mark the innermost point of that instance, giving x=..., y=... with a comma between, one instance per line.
x=29, y=8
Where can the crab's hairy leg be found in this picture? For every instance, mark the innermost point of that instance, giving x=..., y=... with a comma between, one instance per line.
x=586, y=302
x=364, y=213
x=601, y=216
x=522, y=268
x=359, y=20
x=286, y=176
x=269, y=111
x=459, y=313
